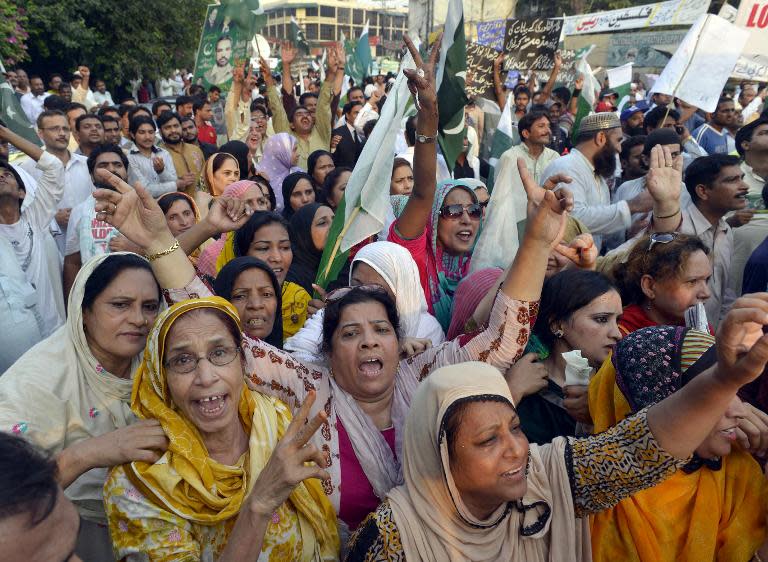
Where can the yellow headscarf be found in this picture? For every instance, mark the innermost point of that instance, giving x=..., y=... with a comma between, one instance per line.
x=187, y=481
x=717, y=515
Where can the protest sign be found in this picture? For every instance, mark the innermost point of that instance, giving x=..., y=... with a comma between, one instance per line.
x=644, y=49
x=491, y=33
x=223, y=45
x=530, y=44
x=672, y=12
x=480, y=66
x=753, y=16
x=752, y=68
x=703, y=62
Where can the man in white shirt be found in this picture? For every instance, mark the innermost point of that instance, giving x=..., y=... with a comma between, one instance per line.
x=32, y=102
x=101, y=96
x=27, y=231
x=77, y=182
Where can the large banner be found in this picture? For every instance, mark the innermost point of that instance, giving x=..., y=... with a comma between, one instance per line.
x=673, y=12
x=753, y=16
x=650, y=49
x=530, y=44
x=223, y=45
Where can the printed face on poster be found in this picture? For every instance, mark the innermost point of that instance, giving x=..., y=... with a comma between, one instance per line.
x=222, y=47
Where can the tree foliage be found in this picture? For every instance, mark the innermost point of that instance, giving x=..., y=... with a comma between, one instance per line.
x=118, y=41
x=13, y=20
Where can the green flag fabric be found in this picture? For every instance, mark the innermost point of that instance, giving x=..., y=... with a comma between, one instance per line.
x=620, y=81
x=359, y=59
x=298, y=38
x=363, y=209
x=451, y=75
x=586, y=102
x=247, y=15
x=13, y=115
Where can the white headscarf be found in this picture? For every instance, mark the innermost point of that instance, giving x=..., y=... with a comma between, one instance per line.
x=396, y=266
x=57, y=394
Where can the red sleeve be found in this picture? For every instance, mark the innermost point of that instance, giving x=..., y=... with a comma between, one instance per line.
x=418, y=249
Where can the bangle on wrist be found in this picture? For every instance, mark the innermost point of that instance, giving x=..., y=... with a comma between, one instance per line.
x=152, y=257
x=670, y=216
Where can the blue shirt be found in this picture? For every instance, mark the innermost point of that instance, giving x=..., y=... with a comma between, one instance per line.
x=712, y=141
x=755, y=278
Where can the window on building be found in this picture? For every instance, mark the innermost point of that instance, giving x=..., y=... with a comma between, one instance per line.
x=311, y=12
x=327, y=11
x=327, y=32
x=312, y=31
x=342, y=15
x=358, y=17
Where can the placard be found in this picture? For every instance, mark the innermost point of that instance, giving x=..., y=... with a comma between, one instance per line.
x=480, y=64
x=530, y=44
x=703, y=62
x=223, y=45
x=491, y=33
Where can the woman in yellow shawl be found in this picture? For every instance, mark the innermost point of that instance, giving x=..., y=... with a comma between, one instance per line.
x=714, y=507
x=233, y=484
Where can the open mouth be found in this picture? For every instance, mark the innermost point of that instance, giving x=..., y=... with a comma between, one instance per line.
x=514, y=474
x=256, y=322
x=371, y=367
x=464, y=235
x=211, y=406
x=729, y=434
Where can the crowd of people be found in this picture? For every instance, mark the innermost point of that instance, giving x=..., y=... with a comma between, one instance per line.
x=557, y=357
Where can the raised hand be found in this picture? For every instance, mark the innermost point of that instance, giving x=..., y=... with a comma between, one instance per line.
x=526, y=376
x=227, y=214
x=132, y=211
x=266, y=72
x=742, y=348
x=286, y=467
x=421, y=81
x=581, y=251
x=238, y=75
x=752, y=431
x=665, y=175
x=547, y=209
x=413, y=346
x=250, y=80
x=288, y=54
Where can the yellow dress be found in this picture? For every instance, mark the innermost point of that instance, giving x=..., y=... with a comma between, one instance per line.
x=295, y=300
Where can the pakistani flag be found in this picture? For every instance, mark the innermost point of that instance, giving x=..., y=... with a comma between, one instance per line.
x=451, y=74
x=298, y=38
x=247, y=15
x=359, y=60
x=363, y=209
x=587, y=98
x=620, y=81
x=12, y=114
x=505, y=137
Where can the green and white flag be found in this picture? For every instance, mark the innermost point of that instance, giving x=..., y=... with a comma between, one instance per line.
x=363, y=209
x=13, y=115
x=589, y=90
x=620, y=81
x=451, y=76
x=298, y=38
x=359, y=60
x=246, y=15
x=505, y=137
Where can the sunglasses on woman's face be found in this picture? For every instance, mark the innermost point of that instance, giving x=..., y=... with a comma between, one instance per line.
x=475, y=211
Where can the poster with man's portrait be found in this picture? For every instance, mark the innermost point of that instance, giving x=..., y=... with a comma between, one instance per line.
x=222, y=47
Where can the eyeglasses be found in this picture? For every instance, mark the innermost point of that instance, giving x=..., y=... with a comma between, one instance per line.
x=475, y=211
x=661, y=238
x=184, y=363
x=341, y=292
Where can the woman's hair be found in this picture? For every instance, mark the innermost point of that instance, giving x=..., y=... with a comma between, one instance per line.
x=218, y=160
x=664, y=261
x=259, y=219
x=330, y=182
x=289, y=184
x=314, y=158
x=108, y=270
x=454, y=416
x=261, y=180
x=399, y=163
x=239, y=150
x=563, y=294
x=356, y=295
x=167, y=201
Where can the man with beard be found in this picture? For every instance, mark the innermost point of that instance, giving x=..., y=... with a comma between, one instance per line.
x=591, y=162
x=632, y=121
x=633, y=164
x=189, y=136
x=111, y=129
x=22, y=83
x=534, y=128
x=88, y=236
x=222, y=70
x=188, y=159
x=89, y=133
x=32, y=102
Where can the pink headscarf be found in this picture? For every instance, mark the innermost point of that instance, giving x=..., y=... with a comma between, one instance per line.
x=206, y=263
x=468, y=295
x=276, y=163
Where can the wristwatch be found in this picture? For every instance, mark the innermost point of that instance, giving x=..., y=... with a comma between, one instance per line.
x=424, y=139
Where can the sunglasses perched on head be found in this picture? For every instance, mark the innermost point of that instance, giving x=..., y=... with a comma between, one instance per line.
x=475, y=211
x=341, y=292
x=661, y=238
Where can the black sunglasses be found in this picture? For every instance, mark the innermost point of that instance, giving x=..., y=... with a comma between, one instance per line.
x=475, y=211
